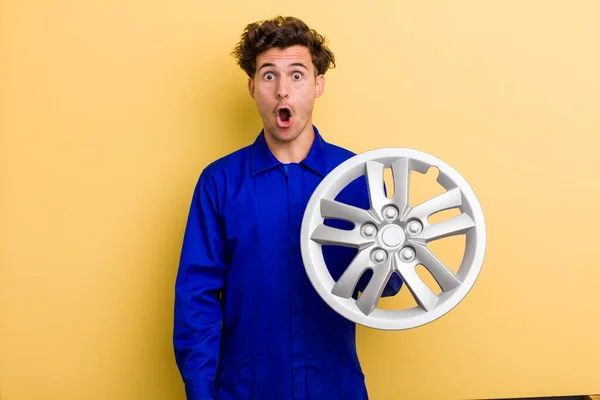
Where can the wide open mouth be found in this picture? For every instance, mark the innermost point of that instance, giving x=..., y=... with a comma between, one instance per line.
x=284, y=114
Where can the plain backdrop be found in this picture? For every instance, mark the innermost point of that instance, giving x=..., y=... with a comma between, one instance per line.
x=109, y=110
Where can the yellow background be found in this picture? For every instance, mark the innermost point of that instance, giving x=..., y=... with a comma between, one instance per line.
x=110, y=109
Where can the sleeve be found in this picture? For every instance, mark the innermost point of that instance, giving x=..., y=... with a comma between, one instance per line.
x=200, y=280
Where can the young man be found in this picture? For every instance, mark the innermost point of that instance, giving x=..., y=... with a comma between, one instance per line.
x=248, y=324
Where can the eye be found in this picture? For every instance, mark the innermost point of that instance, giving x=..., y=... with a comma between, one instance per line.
x=296, y=76
x=269, y=76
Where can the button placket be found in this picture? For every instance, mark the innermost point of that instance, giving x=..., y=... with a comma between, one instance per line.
x=295, y=265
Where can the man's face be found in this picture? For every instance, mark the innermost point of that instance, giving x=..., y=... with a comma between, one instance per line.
x=284, y=88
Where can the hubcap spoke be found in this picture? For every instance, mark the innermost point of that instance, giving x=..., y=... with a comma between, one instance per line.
x=345, y=286
x=401, y=175
x=375, y=182
x=454, y=226
x=369, y=299
x=445, y=201
x=443, y=276
x=421, y=293
x=326, y=235
x=335, y=209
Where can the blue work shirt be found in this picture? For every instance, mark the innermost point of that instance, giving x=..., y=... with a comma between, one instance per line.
x=248, y=323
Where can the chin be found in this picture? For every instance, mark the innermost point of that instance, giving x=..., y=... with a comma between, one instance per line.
x=289, y=138
x=286, y=135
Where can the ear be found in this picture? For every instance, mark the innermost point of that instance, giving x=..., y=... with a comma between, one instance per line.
x=319, y=85
x=251, y=87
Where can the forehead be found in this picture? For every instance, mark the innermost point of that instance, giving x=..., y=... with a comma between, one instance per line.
x=283, y=58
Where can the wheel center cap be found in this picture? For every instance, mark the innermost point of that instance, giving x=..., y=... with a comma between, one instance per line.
x=392, y=236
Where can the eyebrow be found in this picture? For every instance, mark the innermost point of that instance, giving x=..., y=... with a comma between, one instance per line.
x=296, y=64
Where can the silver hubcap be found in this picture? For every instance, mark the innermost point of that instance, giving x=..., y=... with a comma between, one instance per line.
x=392, y=237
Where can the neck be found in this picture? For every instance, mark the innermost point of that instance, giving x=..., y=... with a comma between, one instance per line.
x=293, y=151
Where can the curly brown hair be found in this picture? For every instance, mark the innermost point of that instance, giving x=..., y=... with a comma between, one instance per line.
x=281, y=32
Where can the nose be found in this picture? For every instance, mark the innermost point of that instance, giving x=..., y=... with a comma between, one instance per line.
x=282, y=89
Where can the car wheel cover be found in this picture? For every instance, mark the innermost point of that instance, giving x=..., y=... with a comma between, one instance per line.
x=393, y=236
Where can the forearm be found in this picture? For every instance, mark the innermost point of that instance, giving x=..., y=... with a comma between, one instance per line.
x=196, y=340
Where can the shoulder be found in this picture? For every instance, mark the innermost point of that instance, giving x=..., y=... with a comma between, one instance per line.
x=226, y=167
x=228, y=163
x=339, y=151
x=337, y=155
x=218, y=175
